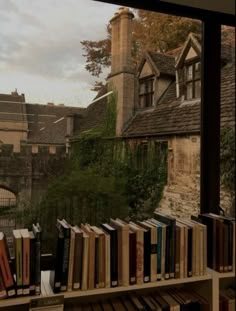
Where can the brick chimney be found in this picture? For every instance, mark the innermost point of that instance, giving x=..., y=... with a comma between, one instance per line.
x=122, y=77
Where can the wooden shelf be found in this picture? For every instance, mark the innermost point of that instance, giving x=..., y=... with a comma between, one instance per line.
x=47, y=291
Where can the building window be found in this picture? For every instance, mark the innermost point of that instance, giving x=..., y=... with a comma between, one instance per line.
x=142, y=156
x=192, y=80
x=146, y=91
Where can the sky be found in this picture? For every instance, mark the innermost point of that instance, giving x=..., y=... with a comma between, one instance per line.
x=40, y=49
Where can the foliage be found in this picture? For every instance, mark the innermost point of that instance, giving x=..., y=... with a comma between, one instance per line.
x=152, y=31
x=227, y=157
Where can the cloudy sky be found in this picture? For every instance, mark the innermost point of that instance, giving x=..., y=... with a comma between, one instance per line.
x=40, y=50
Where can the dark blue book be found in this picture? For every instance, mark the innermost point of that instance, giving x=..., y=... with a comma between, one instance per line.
x=170, y=239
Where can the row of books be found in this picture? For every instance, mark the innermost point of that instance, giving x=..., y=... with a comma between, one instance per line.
x=221, y=241
x=173, y=299
x=23, y=275
x=121, y=254
x=227, y=299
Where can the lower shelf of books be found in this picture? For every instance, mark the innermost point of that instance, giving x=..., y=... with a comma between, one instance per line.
x=208, y=286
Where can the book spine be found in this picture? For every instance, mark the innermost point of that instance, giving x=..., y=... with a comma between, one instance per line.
x=19, y=266
x=185, y=256
x=93, y=262
x=182, y=252
x=201, y=250
x=114, y=259
x=38, y=264
x=96, y=270
x=6, y=271
x=172, y=249
x=153, y=271
x=230, y=246
x=102, y=261
x=3, y=292
x=84, y=275
x=159, y=248
x=26, y=265
x=139, y=257
x=71, y=260
x=55, y=275
x=190, y=251
x=177, y=253
x=32, y=265
x=108, y=261
x=125, y=256
x=163, y=255
x=78, y=260
x=132, y=258
x=65, y=262
x=147, y=255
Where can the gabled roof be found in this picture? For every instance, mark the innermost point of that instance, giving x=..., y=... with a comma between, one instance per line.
x=194, y=41
x=159, y=62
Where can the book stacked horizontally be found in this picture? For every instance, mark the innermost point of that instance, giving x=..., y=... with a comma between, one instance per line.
x=122, y=254
x=23, y=275
x=172, y=299
x=221, y=241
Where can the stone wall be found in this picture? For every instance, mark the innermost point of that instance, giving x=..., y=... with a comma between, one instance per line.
x=181, y=195
x=27, y=174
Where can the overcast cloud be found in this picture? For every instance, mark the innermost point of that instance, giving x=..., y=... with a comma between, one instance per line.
x=40, y=50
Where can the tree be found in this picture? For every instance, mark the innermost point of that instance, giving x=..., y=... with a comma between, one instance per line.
x=152, y=31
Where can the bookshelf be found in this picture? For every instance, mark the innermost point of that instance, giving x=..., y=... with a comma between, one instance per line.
x=207, y=285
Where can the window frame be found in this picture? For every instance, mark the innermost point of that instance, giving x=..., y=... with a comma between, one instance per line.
x=147, y=94
x=191, y=63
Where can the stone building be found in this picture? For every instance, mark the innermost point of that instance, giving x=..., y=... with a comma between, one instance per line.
x=33, y=146
x=161, y=101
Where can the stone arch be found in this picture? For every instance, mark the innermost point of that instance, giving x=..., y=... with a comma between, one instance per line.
x=7, y=197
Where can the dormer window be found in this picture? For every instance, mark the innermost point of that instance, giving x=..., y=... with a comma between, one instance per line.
x=192, y=77
x=146, y=92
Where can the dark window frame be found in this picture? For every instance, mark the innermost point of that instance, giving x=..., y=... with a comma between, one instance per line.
x=148, y=94
x=191, y=63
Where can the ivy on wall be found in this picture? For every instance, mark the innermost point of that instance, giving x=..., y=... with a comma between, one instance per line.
x=227, y=158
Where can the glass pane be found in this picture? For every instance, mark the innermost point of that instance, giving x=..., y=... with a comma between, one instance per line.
x=141, y=88
x=189, y=72
x=141, y=101
x=149, y=86
x=189, y=91
x=197, y=70
x=198, y=89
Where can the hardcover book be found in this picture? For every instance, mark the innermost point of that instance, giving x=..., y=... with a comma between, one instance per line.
x=123, y=251
x=113, y=252
x=139, y=231
x=77, y=268
x=37, y=233
x=18, y=261
x=170, y=239
x=91, y=256
x=25, y=260
x=32, y=262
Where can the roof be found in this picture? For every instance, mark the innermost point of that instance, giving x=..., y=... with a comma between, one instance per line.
x=48, y=124
x=94, y=115
x=161, y=63
x=174, y=116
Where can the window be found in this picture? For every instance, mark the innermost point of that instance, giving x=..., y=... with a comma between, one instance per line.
x=142, y=156
x=146, y=91
x=192, y=80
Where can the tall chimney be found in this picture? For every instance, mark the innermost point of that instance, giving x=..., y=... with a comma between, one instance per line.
x=122, y=77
